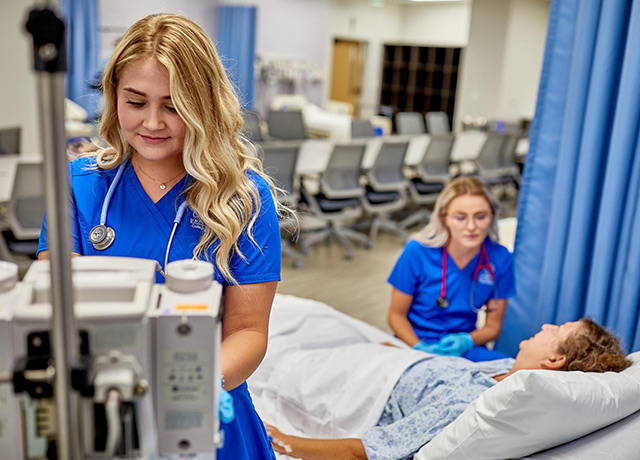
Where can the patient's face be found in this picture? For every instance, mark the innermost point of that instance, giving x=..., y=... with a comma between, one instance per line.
x=544, y=344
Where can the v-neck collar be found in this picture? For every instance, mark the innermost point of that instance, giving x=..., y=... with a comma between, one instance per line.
x=452, y=263
x=171, y=194
x=167, y=205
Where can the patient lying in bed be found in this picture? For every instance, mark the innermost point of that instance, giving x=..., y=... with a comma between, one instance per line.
x=432, y=391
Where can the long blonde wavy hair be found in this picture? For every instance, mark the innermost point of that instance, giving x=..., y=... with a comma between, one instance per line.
x=215, y=153
x=436, y=234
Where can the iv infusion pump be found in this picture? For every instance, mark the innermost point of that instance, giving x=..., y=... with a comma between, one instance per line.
x=147, y=378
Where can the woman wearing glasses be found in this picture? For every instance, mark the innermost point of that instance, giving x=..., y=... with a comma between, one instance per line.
x=450, y=271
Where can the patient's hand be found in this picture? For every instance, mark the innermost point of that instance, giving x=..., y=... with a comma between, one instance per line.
x=280, y=441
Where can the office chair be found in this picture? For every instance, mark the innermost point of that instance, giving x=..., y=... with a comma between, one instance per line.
x=24, y=215
x=251, y=126
x=286, y=125
x=410, y=123
x=509, y=157
x=337, y=200
x=497, y=167
x=10, y=140
x=386, y=189
x=437, y=122
x=431, y=176
x=361, y=128
x=279, y=162
x=489, y=163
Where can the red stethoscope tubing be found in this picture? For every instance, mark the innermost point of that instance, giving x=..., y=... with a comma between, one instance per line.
x=483, y=262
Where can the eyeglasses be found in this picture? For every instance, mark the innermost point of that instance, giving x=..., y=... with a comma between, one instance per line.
x=478, y=219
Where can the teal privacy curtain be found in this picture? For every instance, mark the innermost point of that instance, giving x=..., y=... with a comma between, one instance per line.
x=83, y=45
x=577, y=250
x=237, y=48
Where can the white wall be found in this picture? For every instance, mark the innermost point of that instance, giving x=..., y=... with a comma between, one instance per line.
x=18, y=85
x=501, y=65
x=116, y=16
x=524, y=52
x=439, y=24
x=480, y=81
x=296, y=30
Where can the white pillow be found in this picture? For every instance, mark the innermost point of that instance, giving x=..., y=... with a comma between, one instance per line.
x=534, y=410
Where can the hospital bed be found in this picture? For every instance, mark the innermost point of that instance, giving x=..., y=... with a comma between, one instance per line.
x=306, y=387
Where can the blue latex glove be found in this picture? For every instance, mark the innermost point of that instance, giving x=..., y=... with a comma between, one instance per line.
x=423, y=346
x=227, y=412
x=455, y=344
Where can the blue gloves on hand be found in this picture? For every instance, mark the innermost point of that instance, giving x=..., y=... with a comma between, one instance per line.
x=423, y=346
x=458, y=344
x=455, y=344
x=227, y=412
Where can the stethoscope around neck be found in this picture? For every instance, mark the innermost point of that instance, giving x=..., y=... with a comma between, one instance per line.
x=483, y=262
x=102, y=236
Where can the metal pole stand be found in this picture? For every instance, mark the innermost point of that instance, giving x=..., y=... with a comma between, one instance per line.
x=48, y=33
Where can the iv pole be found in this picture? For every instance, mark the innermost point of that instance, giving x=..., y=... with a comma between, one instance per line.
x=48, y=33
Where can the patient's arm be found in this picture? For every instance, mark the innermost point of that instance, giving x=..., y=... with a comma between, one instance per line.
x=317, y=449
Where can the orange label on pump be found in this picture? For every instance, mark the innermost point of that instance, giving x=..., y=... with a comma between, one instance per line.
x=192, y=307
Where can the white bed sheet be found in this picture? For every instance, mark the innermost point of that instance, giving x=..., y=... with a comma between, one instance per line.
x=315, y=392
x=333, y=377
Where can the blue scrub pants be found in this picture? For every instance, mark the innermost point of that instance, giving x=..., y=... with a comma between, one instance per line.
x=482, y=353
x=245, y=438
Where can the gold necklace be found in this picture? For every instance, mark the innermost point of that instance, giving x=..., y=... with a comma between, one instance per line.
x=163, y=185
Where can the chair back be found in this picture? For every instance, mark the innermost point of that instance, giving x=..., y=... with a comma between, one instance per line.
x=490, y=157
x=410, y=123
x=251, y=126
x=435, y=162
x=361, y=128
x=508, y=157
x=26, y=206
x=279, y=162
x=286, y=125
x=437, y=122
x=341, y=178
x=10, y=140
x=387, y=172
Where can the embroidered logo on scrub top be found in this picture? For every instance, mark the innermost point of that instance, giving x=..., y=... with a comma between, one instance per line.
x=484, y=277
x=196, y=223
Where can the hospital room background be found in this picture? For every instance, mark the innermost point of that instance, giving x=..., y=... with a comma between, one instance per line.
x=573, y=192
x=538, y=97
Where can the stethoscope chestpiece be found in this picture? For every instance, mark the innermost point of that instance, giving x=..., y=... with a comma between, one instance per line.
x=443, y=302
x=102, y=237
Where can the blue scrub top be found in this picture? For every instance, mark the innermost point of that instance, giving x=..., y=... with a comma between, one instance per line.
x=418, y=273
x=143, y=229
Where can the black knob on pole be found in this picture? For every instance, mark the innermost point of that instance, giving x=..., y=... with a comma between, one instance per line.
x=48, y=33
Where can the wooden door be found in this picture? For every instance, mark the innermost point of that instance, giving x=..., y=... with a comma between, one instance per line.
x=346, y=73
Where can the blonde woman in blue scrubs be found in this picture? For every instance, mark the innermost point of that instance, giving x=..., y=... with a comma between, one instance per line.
x=173, y=123
x=450, y=271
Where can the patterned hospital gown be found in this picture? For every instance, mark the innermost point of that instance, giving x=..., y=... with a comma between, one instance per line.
x=428, y=396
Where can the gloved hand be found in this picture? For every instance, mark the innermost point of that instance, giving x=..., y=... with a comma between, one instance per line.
x=426, y=347
x=455, y=344
x=227, y=412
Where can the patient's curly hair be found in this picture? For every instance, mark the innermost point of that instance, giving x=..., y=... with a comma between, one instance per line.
x=593, y=349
